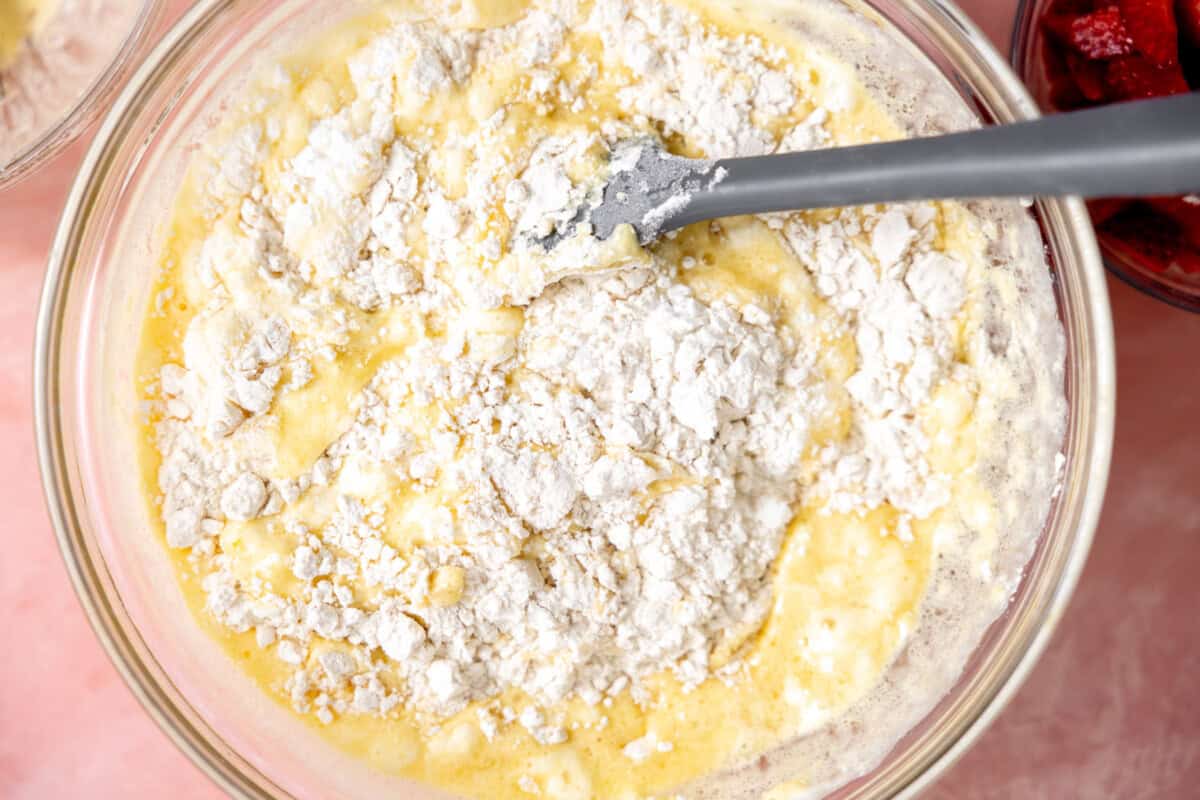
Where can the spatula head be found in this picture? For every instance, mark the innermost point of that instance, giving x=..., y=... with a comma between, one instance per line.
x=647, y=188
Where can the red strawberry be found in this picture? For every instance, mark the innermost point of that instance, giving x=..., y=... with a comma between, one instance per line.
x=1106, y=209
x=1060, y=91
x=1189, y=261
x=1058, y=24
x=1142, y=237
x=1064, y=95
x=1072, y=7
x=1088, y=76
x=1132, y=77
x=1063, y=92
x=1151, y=25
x=1187, y=16
x=1185, y=211
x=1100, y=34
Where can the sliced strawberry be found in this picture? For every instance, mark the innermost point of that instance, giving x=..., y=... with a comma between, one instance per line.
x=1136, y=251
x=1058, y=24
x=1187, y=16
x=1074, y=7
x=1131, y=77
x=1088, y=76
x=1184, y=211
x=1107, y=208
x=1060, y=91
x=1143, y=237
x=1151, y=25
x=1063, y=92
x=1060, y=15
x=1065, y=96
x=1100, y=34
x=1189, y=261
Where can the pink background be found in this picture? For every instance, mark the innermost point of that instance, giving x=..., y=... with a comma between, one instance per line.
x=1112, y=709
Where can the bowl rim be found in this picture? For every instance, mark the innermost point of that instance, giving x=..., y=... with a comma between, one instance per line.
x=85, y=108
x=87, y=572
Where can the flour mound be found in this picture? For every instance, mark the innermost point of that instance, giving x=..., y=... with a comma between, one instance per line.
x=624, y=484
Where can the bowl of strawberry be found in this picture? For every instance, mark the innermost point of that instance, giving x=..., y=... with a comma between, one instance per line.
x=1080, y=53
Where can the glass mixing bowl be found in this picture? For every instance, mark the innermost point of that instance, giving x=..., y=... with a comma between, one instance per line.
x=63, y=72
x=95, y=295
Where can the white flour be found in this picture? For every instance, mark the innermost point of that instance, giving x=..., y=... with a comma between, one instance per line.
x=901, y=300
x=617, y=511
x=596, y=496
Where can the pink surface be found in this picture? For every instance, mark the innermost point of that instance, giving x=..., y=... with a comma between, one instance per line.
x=1112, y=710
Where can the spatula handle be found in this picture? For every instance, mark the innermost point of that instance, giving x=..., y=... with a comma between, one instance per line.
x=1148, y=147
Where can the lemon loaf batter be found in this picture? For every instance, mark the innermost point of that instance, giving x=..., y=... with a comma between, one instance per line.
x=593, y=522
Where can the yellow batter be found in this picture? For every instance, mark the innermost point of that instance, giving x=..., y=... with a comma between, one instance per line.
x=20, y=19
x=847, y=588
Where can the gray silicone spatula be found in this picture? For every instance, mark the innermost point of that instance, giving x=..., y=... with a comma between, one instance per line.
x=1143, y=148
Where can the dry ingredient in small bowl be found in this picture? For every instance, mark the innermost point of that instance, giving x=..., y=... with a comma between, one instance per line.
x=20, y=20
x=593, y=522
x=59, y=59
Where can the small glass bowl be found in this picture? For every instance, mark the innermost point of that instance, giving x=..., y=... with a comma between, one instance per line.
x=97, y=289
x=63, y=73
x=1028, y=58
